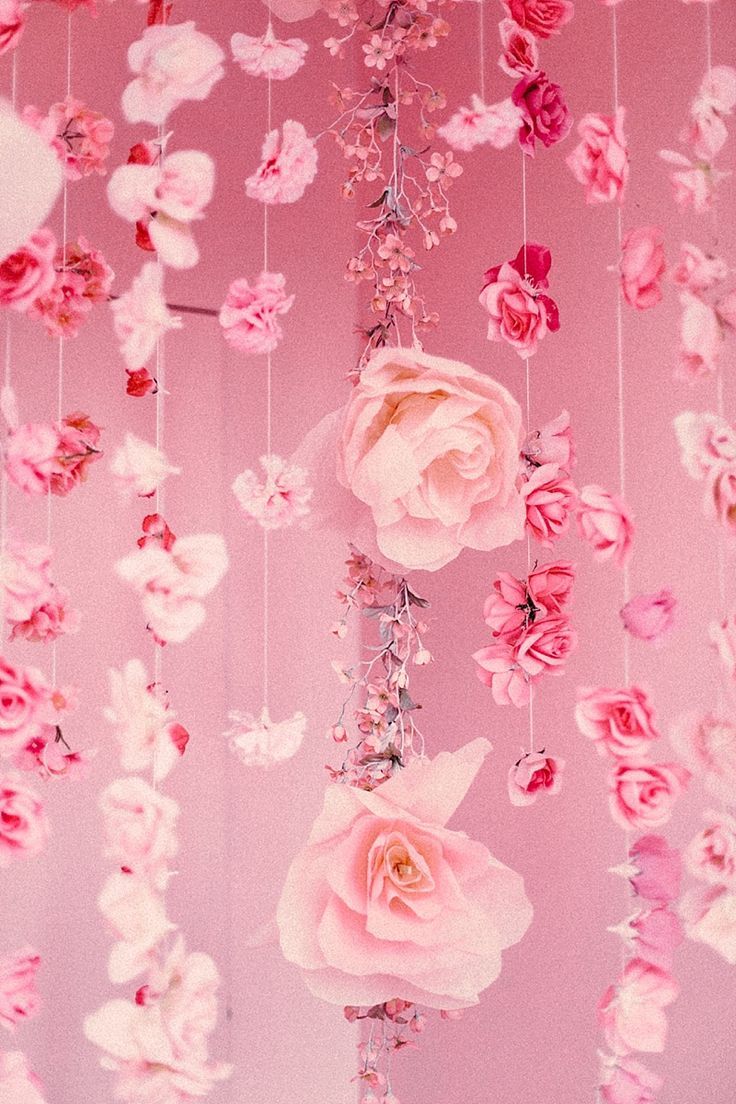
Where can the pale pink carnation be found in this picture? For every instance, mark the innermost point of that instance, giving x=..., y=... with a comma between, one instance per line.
x=24, y=827
x=642, y=267
x=140, y=468
x=709, y=915
x=261, y=742
x=642, y=795
x=280, y=500
x=632, y=1012
x=650, y=616
x=601, y=159
x=19, y=999
x=605, y=523
x=12, y=23
x=173, y=62
x=267, y=56
x=697, y=271
x=623, y=1079
x=288, y=165
x=621, y=723
x=144, y=724
x=482, y=124
x=29, y=272
x=250, y=314
x=549, y=499
x=534, y=774
x=141, y=317
x=706, y=744
x=17, y=1084
x=520, y=51
x=711, y=854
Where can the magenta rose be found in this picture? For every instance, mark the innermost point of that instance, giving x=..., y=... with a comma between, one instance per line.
x=514, y=294
x=542, y=17
x=24, y=828
x=544, y=113
x=19, y=999
x=520, y=53
x=428, y=453
x=385, y=902
x=28, y=273
x=534, y=774
x=620, y=722
x=642, y=795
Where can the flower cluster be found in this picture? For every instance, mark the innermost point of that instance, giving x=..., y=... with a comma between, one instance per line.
x=280, y=500
x=43, y=457
x=514, y=295
x=80, y=137
x=33, y=607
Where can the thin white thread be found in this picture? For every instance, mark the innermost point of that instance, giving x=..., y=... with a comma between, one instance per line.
x=708, y=38
x=269, y=397
x=6, y=385
x=527, y=374
x=482, y=47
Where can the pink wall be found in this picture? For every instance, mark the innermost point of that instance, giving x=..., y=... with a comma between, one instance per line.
x=533, y=1035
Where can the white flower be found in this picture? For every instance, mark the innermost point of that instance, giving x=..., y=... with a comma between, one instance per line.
x=261, y=742
x=280, y=500
x=139, y=467
x=142, y=722
x=141, y=317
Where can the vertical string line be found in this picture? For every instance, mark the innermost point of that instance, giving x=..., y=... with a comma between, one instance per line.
x=269, y=397
x=528, y=388
x=6, y=385
x=482, y=47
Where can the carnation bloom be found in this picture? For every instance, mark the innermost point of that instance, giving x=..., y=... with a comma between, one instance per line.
x=544, y=113
x=19, y=999
x=288, y=165
x=141, y=317
x=482, y=124
x=80, y=137
x=650, y=616
x=139, y=467
x=261, y=742
x=250, y=314
x=535, y=773
x=385, y=902
x=267, y=56
x=642, y=266
x=641, y=795
x=605, y=523
x=631, y=1012
x=172, y=62
x=24, y=827
x=601, y=160
x=280, y=500
x=621, y=723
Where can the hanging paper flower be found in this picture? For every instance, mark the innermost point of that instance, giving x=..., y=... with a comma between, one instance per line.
x=519, y=312
x=694, y=183
x=267, y=56
x=140, y=468
x=549, y=499
x=172, y=63
x=80, y=137
x=544, y=114
x=141, y=317
x=701, y=337
x=652, y=935
x=543, y=18
x=654, y=869
x=605, y=523
x=642, y=266
x=19, y=999
x=29, y=272
x=280, y=500
x=288, y=166
x=139, y=828
x=706, y=743
x=83, y=278
x=261, y=742
x=12, y=24
x=601, y=160
x=552, y=444
x=711, y=854
x=714, y=102
x=480, y=124
x=641, y=795
x=135, y=910
x=250, y=314
x=709, y=914
x=535, y=773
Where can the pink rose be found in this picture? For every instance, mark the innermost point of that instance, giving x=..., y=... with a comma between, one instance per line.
x=24, y=828
x=550, y=585
x=542, y=17
x=250, y=314
x=626, y=1081
x=642, y=795
x=642, y=267
x=701, y=337
x=653, y=935
x=698, y=271
x=709, y=915
x=418, y=496
x=545, y=115
x=711, y=854
x=620, y=722
x=706, y=744
x=12, y=22
x=632, y=1014
x=707, y=441
x=601, y=159
x=267, y=56
x=534, y=773
x=650, y=616
x=552, y=444
x=24, y=705
x=605, y=523
x=549, y=497
x=723, y=637
x=139, y=827
x=513, y=604
x=78, y=448
x=510, y=669
x=513, y=294
x=386, y=902
x=19, y=1000
x=288, y=166
x=17, y=1084
x=28, y=273
x=657, y=869
x=173, y=62
x=520, y=52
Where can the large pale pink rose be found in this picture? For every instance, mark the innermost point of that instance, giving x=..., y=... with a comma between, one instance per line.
x=19, y=999
x=386, y=902
x=632, y=1014
x=620, y=722
x=429, y=449
x=17, y=1084
x=642, y=795
x=173, y=62
x=706, y=744
x=24, y=828
x=600, y=161
x=139, y=826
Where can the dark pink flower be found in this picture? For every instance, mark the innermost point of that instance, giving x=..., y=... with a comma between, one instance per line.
x=650, y=616
x=642, y=266
x=520, y=52
x=545, y=115
x=513, y=294
x=535, y=773
x=250, y=314
x=542, y=17
x=29, y=272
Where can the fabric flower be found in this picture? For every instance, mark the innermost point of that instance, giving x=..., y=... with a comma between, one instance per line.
x=288, y=166
x=428, y=449
x=601, y=160
x=709, y=915
x=543, y=18
x=642, y=795
x=520, y=51
x=267, y=56
x=80, y=137
x=701, y=337
x=711, y=854
x=519, y=311
x=139, y=828
x=621, y=723
x=24, y=827
x=552, y=444
x=280, y=500
x=697, y=271
x=642, y=266
x=655, y=869
x=19, y=1000
x=549, y=497
x=605, y=523
x=693, y=183
x=706, y=744
x=623, y=1079
x=144, y=725
x=12, y=24
x=632, y=1014
x=17, y=1084
x=650, y=616
x=250, y=314
x=511, y=669
x=172, y=62
x=261, y=742
x=385, y=902
x=706, y=441
x=141, y=317
x=482, y=124
x=544, y=113
x=535, y=773
x=29, y=272
x=140, y=468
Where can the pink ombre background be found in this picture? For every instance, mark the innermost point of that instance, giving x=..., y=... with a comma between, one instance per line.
x=533, y=1036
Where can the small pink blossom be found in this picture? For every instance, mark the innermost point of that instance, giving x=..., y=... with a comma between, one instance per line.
x=17, y=1084
x=141, y=317
x=545, y=116
x=697, y=271
x=605, y=523
x=12, y=24
x=650, y=616
x=288, y=166
x=261, y=742
x=280, y=500
x=641, y=795
x=549, y=498
x=19, y=999
x=24, y=827
x=29, y=272
x=631, y=1012
x=552, y=444
x=140, y=468
x=145, y=726
x=250, y=314
x=535, y=773
x=655, y=869
x=642, y=266
x=621, y=723
x=711, y=854
x=542, y=18
x=520, y=51
x=701, y=337
x=139, y=828
x=267, y=56
x=623, y=1079
x=51, y=618
x=493, y=124
x=80, y=137
x=601, y=160
x=652, y=935
x=172, y=62
x=519, y=311
x=707, y=442
x=706, y=744
x=709, y=915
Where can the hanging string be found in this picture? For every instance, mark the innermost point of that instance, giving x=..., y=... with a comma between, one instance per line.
x=528, y=388
x=482, y=47
x=6, y=385
x=269, y=381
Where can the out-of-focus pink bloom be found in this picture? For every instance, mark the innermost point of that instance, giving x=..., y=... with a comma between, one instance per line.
x=706, y=744
x=701, y=337
x=642, y=795
x=144, y=724
x=535, y=773
x=650, y=616
x=542, y=17
x=720, y=495
x=694, y=183
x=707, y=442
x=139, y=467
x=653, y=935
x=19, y=1000
x=280, y=500
x=51, y=618
x=261, y=742
x=697, y=271
x=545, y=115
x=25, y=698
x=83, y=277
x=514, y=295
x=723, y=637
x=623, y=1080
x=654, y=869
x=140, y=828
x=631, y=1012
x=166, y=198
x=25, y=579
x=78, y=447
x=605, y=523
x=520, y=51
x=24, y=827
x=17, y=1084
x=621, y=723
x=711, y=854
x=709, y=915
x=12, y=23
x=29, y=272
x=552, y=444
x=549, y=498
x=141, y=317
x=31, y=457
x=80, y=137
x=267, y=56
x=172, y=62
x=136, y=913
x=726, y=310
x=482, y=124
x=642, y=267
x=715, y=100
x=250, y=314
x=601, y=159
x=288, y=166
x=31, y=184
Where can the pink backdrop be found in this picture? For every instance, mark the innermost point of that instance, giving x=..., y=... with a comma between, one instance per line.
x=533, y=1035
